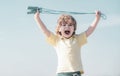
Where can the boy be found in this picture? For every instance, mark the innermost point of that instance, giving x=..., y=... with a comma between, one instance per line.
x=67, y=43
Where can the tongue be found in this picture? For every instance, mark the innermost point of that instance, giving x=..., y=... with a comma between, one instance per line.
x=67, y=32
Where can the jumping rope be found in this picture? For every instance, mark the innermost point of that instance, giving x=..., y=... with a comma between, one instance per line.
x=33, y=10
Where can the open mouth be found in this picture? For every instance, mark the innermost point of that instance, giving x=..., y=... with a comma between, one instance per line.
x=67, y=32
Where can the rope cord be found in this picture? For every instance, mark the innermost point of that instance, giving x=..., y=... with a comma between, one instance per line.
x=33, y=10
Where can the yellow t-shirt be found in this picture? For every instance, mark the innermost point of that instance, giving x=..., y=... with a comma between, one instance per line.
x=68, y=52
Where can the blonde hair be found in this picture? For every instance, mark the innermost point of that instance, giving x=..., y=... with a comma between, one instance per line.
x=66, y=19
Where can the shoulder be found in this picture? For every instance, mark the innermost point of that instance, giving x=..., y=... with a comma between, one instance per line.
x=52, y=38
x=83, y=34
x=81, y=38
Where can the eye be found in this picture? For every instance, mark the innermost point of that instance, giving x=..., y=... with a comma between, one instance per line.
x=70, y=25
x=63, y=25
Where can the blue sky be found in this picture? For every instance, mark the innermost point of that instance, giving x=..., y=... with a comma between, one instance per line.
x=24, y=51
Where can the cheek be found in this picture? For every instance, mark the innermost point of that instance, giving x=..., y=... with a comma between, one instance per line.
x=61, y=28
x=72, y=28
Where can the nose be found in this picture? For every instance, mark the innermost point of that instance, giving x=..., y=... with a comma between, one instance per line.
x=67, y=25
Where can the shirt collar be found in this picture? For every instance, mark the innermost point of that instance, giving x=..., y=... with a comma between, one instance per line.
x=61, y=37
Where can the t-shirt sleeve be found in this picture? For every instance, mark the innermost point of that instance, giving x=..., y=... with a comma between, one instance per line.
x=52, y=39
x=82, y=38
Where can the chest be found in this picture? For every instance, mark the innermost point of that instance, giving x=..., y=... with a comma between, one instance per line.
x=68, y=43
x=67, y=47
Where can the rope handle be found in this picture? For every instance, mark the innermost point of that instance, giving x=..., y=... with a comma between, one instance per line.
x=33, y=10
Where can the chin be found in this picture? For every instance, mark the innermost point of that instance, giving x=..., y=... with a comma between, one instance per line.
x=67, y=36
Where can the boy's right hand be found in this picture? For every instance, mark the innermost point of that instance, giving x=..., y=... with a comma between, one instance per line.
x=37, y=14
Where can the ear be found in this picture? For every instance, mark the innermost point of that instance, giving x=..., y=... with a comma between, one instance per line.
x=59, y=33
x=73, y=33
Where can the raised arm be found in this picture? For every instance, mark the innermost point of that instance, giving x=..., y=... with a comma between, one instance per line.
x=41, y=24
x=92, y=27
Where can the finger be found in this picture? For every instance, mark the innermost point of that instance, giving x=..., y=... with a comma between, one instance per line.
x=98, y=12
x=37, y=11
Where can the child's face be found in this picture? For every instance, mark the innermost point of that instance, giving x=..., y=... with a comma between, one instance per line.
x=66, y=30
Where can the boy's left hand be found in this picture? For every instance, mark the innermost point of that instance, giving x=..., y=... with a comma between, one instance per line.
x=98, y=14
